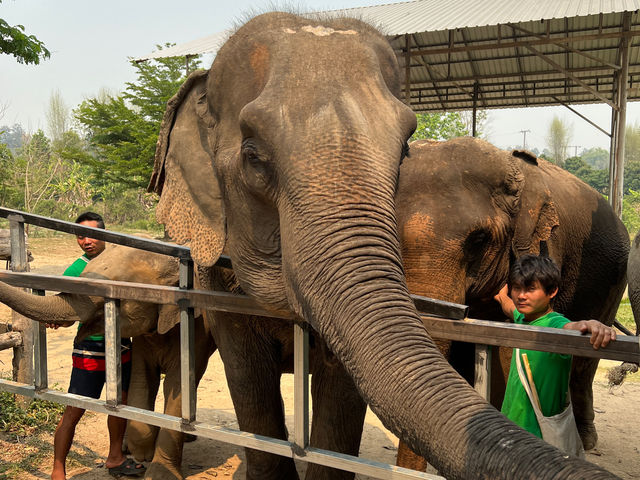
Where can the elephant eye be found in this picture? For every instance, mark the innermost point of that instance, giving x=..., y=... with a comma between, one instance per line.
x=475, y=243
x=254, y=160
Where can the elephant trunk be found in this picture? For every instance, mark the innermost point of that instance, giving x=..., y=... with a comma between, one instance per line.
x=57, y=309
x=355, y=295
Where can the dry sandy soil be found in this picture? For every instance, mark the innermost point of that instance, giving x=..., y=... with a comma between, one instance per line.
x=617, y=418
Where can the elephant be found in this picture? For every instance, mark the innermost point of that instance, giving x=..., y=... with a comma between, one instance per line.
x=466, y=209
x=155, y=333
x=286, y=154
x=633, y=272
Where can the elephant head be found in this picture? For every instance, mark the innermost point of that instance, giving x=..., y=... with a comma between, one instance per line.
x=286, y=153
x=115, y=263
x=465, y=210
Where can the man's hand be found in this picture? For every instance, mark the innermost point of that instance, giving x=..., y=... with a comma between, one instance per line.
x=601, y=335
x=507, y=305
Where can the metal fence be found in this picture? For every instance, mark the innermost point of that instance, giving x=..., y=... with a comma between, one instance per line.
x=444, y=320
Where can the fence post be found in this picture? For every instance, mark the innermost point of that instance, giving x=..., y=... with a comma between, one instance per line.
x=482, y=379
x=23, y=354
x=40, y=352
x=187, y=346
x=301, y=385
x=113, y=347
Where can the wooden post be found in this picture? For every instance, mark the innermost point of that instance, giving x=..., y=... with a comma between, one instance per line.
x=187, y=346
x=616, y=181
x=482, y=380
x=301, y=385
x=22, y=354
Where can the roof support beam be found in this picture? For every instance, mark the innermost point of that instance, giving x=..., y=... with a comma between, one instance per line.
x=518, y=43
x=584, y=85
x=616, y=164
x=582, y=117
x=566, y=47
x=520, y=70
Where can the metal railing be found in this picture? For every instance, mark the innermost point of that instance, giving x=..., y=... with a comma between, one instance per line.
x=455, y=327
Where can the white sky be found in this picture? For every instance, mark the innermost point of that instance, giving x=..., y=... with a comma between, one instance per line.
x=91, y=41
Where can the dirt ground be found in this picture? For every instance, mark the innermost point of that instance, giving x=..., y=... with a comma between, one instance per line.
x=617, y=419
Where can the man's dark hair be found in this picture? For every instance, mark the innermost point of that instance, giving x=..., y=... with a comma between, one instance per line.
x=91, y=217
x=529, y=268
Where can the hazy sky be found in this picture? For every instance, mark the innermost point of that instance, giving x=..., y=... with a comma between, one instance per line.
x=90, y=43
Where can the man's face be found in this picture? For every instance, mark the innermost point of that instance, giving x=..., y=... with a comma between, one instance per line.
x=532, y=301
x=90, y=246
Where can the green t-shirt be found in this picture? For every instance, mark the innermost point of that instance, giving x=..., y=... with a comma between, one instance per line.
x=74, y=270
x=550, y=375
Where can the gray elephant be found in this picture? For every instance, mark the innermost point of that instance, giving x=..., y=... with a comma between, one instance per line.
x=633, y=273
x=155, y=343
x=287, y=153
x=466, y=209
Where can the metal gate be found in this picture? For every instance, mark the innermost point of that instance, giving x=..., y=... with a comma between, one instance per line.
x=444, y=320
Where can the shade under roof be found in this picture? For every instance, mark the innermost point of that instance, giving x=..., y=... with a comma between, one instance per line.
x=461, y=54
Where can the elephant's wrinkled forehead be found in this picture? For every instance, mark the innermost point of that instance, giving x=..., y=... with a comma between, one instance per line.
x=320, y=31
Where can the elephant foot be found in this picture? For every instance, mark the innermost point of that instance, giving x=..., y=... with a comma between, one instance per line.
x=588, y=435
x=157, y=471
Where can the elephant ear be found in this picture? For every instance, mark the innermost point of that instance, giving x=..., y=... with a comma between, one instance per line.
x=168, y=317
x=184, y=176
x=537, y=216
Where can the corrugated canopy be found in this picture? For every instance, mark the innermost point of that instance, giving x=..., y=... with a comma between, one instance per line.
x=461, y=54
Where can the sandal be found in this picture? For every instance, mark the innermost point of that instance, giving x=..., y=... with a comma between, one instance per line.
x=129, y=468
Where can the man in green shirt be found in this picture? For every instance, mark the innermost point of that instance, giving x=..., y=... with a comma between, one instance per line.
x=88, y=376
x=528, y=299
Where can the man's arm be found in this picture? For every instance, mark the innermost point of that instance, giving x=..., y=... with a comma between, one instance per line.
x=601, y=335
x=502, y=297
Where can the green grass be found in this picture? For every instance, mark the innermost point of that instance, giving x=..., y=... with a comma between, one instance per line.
x=22, y=425
x=625, y=315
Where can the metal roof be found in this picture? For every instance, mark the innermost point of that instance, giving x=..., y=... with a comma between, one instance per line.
x=461, y=54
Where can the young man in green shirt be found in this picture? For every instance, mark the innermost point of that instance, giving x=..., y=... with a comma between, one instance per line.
x=88, y=376
x=528, y=299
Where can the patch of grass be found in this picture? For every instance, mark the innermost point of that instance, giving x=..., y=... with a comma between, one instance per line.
x=21, y=429
x=625, y=315
x=38, y=416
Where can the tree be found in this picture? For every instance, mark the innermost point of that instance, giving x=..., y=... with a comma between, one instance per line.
x=597, y=157
x=57, y=116
x=123, y=130
x=558, y=139
x=439, y=126
x=26, y=48
x=12, y=136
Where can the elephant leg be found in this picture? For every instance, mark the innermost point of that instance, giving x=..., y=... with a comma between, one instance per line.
x=252, y=366
x=167, y=458
x=143, y=388
x=583, y=372
x=338, y=416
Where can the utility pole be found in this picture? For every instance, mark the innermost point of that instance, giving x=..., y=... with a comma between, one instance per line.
x=524, y=139
x=575, y=147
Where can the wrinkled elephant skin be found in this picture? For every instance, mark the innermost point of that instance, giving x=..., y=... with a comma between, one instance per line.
x=466, y=209
x=286, y=153
x=155, y=343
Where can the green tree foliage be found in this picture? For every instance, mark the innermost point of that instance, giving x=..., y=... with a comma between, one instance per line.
x=597, y=157
x=440, y=126
x=12, y=136
x=26, y=48
x=122, y=130
x=598, y=179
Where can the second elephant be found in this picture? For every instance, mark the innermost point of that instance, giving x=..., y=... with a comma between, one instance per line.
x=466, y=209
x=155, y=343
